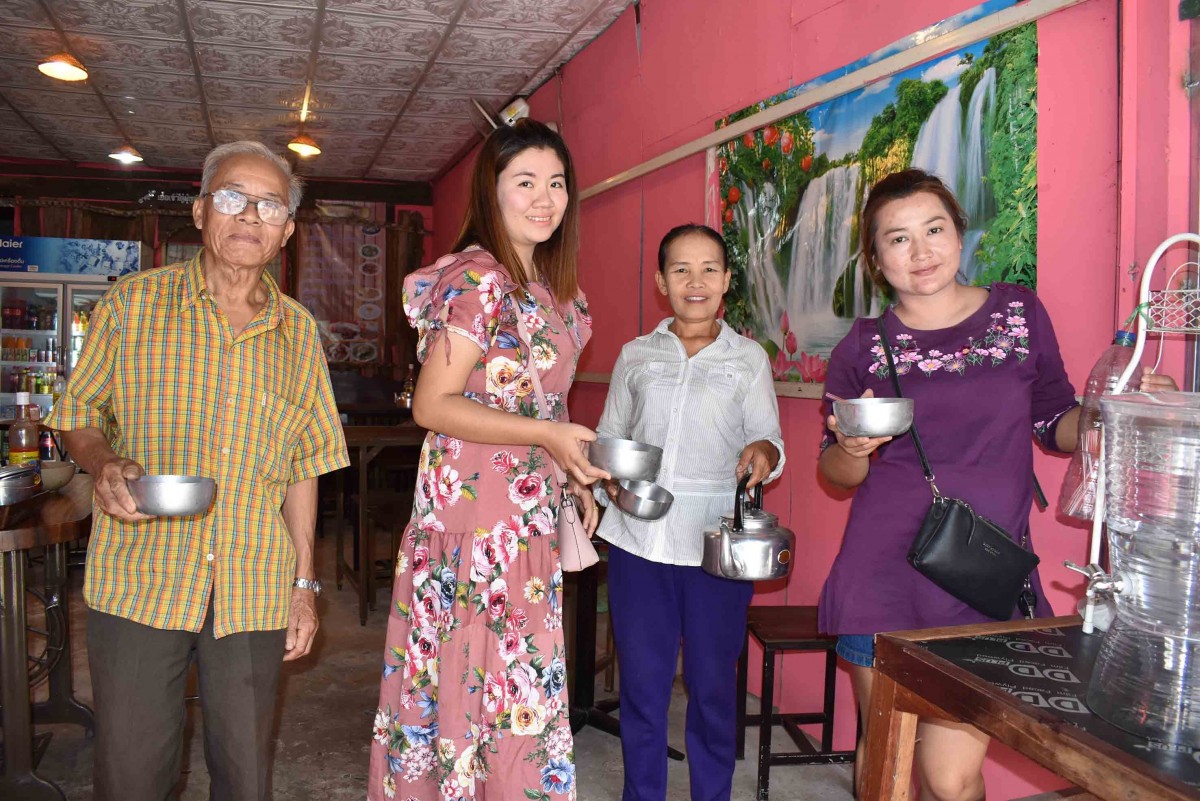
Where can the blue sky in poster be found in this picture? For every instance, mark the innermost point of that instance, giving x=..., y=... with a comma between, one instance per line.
x=840, y=124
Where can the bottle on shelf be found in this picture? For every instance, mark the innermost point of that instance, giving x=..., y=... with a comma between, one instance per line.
x=408, y=388
x=23, y=433
x=1078, y=496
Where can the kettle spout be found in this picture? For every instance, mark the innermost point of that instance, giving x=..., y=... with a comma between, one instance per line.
x=731, y=566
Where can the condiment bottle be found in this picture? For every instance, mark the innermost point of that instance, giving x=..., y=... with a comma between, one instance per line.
x=23, y=434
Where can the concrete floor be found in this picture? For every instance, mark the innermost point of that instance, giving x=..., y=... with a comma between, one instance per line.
x=328, y=705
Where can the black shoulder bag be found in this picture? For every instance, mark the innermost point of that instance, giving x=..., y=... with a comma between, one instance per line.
x=964, y=553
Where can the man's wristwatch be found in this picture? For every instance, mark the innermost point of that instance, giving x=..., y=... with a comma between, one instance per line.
x=308, y=584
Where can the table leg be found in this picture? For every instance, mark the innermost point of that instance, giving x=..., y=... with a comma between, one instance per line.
x=61, y=706
x=891, y=737
x=363, y=561
x=19, y=780
x=338, y=526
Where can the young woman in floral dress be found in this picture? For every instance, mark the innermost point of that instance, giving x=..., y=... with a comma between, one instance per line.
x=473, y=702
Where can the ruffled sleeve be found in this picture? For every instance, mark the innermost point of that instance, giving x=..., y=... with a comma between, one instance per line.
x=460, y=293
x=581, y=320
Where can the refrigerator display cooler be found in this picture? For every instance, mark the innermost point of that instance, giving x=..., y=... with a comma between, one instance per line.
x=44, y=324
x=48, y=291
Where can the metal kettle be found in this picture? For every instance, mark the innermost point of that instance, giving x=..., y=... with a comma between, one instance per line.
x=748, y=544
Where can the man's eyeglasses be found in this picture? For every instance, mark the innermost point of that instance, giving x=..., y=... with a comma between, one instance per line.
x=231, y=201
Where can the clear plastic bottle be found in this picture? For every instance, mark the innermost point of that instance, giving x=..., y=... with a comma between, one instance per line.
x=23, y=433
x=1078, y=496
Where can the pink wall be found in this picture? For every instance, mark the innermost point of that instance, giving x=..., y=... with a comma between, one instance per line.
x=701, y=60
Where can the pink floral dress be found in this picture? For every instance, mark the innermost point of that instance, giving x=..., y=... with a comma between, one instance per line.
x=473, y=702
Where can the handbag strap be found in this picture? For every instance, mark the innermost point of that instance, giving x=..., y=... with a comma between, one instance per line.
x=912, y=430
x=543, y=406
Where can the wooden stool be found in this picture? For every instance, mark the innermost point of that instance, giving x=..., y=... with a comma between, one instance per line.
x=779, y=629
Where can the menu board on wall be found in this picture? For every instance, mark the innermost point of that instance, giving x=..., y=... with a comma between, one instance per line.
x=340, y=279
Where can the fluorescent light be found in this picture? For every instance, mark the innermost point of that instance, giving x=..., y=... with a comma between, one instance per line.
x=64, y=67
x=126, y=154
x=304, y=146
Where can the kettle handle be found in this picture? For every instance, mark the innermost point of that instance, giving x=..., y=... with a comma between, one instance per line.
x=739, y=499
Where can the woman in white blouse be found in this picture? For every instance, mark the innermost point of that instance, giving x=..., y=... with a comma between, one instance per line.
x=704, y=394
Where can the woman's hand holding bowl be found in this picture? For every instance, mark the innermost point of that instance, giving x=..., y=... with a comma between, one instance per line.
x=858, y=447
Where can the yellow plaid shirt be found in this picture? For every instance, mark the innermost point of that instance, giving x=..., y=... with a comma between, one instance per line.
x=163, y=376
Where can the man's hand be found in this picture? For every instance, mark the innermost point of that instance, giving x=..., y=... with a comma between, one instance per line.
x=302, y=624
x=111, y=492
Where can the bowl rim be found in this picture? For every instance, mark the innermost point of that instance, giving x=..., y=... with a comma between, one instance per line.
x=618, y=443
x=167, y=478
x=647, y=485
x=873, y=401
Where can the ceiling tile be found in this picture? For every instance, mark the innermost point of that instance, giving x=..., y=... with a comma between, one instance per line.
x=371, y=36
x=255, y=25
x=157, y=19
x=74, y=103
x=511, y=47
x=34, y=152
x=180, y=88
x=28, y=43
x=474, y=80
x=25, y=138
x=24, y=12
x=327, y=98
x=10, y=121
x=251, y=64
x=157, y=111
x=166, y=134
x=132, y=54
x=432, y=104
x=563, y=15
x=455, y=128
x=344, y=70
x=226, y=91
x=253, y=118
x=349, y=123
x=54, y=125
x=422, y=10
x=183, y=156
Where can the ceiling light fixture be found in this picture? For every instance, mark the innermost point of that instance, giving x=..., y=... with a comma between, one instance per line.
x=126, y=154
x=64, y=67
x=304, y=146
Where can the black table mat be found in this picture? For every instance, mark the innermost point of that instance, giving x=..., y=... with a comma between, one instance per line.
x=1050, y=669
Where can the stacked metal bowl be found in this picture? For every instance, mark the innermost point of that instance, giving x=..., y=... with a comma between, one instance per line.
x=635, y=466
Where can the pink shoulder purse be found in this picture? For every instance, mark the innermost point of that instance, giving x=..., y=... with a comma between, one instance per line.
x=575, y=548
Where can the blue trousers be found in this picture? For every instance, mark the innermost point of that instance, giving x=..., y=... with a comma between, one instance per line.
x=656, y=608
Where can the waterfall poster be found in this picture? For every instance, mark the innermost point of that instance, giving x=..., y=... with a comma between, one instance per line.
x=790, y=192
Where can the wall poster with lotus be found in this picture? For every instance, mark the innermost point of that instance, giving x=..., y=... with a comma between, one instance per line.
x=788, y=194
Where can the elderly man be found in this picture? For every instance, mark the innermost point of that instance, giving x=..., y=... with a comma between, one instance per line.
x=202, y=368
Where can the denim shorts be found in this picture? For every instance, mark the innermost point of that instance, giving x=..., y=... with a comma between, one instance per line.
x=857, y=649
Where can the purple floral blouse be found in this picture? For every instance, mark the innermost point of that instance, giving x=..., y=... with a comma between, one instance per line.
x=979, y=388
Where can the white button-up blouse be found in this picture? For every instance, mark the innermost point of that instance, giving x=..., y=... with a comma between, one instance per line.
x=702, y=412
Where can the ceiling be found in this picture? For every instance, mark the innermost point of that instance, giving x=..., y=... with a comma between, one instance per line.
x=392, y=80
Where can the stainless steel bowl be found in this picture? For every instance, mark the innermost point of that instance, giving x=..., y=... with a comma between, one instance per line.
x=15, y=490
x=644, y=499
x=56, y=475
x=873, y=417
x=172, y=496
x=625, y=458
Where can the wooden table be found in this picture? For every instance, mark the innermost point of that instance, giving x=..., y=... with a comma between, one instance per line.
x=365, y=443
x=48, y=521
x=927, y=674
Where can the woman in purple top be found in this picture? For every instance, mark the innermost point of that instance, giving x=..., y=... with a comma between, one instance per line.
x=983, y=367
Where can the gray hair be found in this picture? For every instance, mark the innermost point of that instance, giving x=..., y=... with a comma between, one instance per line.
x=246, y=147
